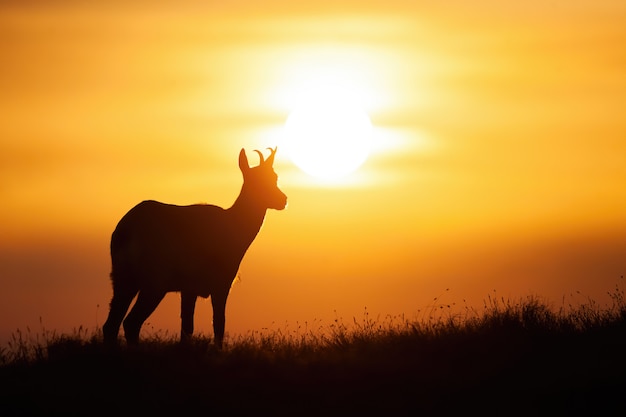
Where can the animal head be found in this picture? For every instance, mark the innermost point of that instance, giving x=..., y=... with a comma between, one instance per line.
x=261, y=182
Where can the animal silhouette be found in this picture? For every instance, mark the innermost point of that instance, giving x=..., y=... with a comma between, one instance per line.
x=157, y=248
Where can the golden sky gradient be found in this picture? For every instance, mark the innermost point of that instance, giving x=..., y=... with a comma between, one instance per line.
x=499, y=160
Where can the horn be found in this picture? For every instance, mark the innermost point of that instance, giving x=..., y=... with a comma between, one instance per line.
x=270, y=159
x=260, y=157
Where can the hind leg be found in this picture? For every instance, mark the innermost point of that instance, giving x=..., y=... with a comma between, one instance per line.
x=187, y=307
x=146, y=302
x=122, y=298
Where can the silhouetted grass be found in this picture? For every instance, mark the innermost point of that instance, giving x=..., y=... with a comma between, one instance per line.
x=510, y=358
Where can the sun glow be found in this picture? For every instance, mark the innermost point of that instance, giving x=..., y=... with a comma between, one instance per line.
x=328, y=133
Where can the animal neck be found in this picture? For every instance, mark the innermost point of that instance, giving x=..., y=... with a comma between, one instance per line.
x=248, y=213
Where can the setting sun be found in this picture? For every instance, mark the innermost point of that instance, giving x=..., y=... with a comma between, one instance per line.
x=328, y=133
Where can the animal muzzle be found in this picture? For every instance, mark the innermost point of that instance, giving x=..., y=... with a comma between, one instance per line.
x=280, y=202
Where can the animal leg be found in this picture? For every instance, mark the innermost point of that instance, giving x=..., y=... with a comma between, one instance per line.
x=187, y=308
x=146, y=302
x=119, y=306
x=219, y=317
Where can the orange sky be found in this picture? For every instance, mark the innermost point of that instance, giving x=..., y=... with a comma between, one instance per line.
x=499, y=160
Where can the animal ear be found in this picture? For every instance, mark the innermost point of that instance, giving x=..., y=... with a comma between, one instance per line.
x=243, y=161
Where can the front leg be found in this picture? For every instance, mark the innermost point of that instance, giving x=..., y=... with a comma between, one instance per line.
x=187, y=308
x=219, y=316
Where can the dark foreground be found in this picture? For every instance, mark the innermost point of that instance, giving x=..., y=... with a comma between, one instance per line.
x=512, y=360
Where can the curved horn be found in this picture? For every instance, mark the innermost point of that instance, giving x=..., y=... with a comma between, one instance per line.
x=270, y=159
x=260, y=156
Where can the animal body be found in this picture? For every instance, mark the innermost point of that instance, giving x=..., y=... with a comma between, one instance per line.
x=196, y=250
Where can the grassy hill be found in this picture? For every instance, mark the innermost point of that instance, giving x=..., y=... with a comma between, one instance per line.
x=511, y=358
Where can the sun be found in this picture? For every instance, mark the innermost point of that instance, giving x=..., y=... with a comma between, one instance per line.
x=328, y=133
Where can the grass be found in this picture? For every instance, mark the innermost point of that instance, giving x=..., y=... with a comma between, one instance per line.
x=513, y=357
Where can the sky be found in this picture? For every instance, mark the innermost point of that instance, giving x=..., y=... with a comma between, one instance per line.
x=497, y=162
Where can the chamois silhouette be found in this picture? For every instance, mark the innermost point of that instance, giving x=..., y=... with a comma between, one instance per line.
x=157, y=248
